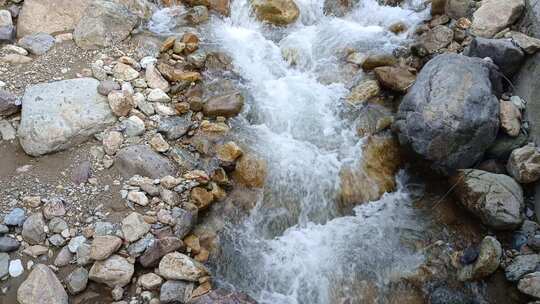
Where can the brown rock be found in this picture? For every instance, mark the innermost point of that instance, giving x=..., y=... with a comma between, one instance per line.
x=251, y=171
x=229, y=152
x=374, y=61
x=104, y=246
x=278, y=12
x=202, y=197
x=510, y=117
x=227, y=105
x=395, y=78
x=155, y=80
x=168, y=44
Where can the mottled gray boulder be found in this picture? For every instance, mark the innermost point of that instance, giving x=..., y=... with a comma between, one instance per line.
x=497, y=199
x=104, y=23
x=504, y=53
x=450, y=116
x=9, y=103
x=38, y=43
x=521, y=265
x=42, y=287
x=58, y=115
x=142, y=160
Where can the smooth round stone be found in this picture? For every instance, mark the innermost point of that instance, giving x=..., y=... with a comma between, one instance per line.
x=15, y=268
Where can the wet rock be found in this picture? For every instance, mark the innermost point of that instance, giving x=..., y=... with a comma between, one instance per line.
x=201, y=197
x=8, y=244
x=530, y=284
x=378, y=60
x=37, y=44
x=372, y=119
x=9, y=103
x=493, y=16
x=195, y=15
x=42, y=287
x=437, y=38
x=278, y=12
x=394, y=78
x=142, y=160
x=220, y=6
x=364, y=91
x=77, y=280
x=510, y=117
x=228, y=152
x=488, y=261
x=15, y=217
x=504, y=53
x=338, y=8
x=521, y=265
x=177, y=266
x=58, y=115
x=159, y=248
x=174, y=127
x=373, y=175
x=251, y=171
x=104, y=246
x=222, y=296
x=33, y=230
x=495, y=198
x=227, y=105
x=104, y=23
x=134, y=227
x=445, y=123
x=114, y=271
x=524, y=164
x=175, y=291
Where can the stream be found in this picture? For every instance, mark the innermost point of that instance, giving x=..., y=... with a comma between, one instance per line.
x=295, y=246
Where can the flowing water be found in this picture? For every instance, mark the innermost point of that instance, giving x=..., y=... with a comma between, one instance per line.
x=295, y=247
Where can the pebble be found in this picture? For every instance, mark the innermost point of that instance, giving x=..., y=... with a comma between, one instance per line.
x=15, y=268
x=15, y=218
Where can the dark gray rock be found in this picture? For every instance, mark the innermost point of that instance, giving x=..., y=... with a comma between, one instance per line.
x=15, y=217
x=7, y=33
x=142, y=160
x=505, y=144
x=445, y=295
x=8, y=244
x=174, y=127
x=9, y=103
x=450, y=116
x=175, y=291
x=37, y=44
x=504, y=53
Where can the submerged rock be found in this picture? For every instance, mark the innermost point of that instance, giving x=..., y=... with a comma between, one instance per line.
x=58, y=115
x=251, y=171
x=338, y=8
x=373, y=176
x=495, y=198
x=450, y=115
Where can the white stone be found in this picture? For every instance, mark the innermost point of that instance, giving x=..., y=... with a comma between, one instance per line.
x=16, y=268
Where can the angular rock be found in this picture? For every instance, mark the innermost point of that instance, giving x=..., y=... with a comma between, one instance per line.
x=58, y=115
x=530, y=284
x=529, y=44
x=134, y=227
x=50, y=16
x=437, y=38
x=8, y=244
x=504, y=53
x=174, y=127
x=63, y=258
x=104, y=246
x=524, y=164
x=177, y=266
x=33, y=230
x=142, y=160
x=37, y=44
x=112, y=141
x=42, y=287
x=9, y=103
x=155, y=80
x=150, y=281
x=104, y=23
x=495, y=15
x=175, y=291
x=495, y=198
x=115, y=271
x=124, y=72
x=278, y=12
x=159, y=248
x=521, y=265
x=450, y=115
x=394, y=78
x=133, y=126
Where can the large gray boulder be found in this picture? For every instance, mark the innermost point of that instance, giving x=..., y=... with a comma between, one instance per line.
x=58, y=115
x=450, y=116
x=104, y=23
x=504, y=53
x=497, y=199
x=142, y=160
x=50, y=16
